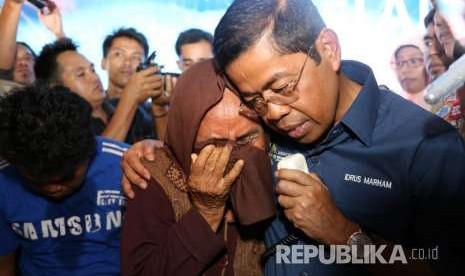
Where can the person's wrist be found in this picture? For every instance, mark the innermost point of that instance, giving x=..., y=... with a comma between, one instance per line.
x=129, y=96
x=348, y=229
x=358, y=241
x=60, y=35
x=13, y=4
x=128, y=101
x=159, y=110
x=213, y=216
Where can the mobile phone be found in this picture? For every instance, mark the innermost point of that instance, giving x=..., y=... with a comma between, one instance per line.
x=40, y=4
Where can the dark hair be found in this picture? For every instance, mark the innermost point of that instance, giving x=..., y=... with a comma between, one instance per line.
x=46, y=131
x=293, y=25
x=46, y=66
x=429, y=18
x=127, y=33
x=192, y=36
x=403, y=46
x=28, y=48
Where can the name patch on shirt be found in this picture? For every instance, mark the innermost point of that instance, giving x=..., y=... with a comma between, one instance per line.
x=371, y=181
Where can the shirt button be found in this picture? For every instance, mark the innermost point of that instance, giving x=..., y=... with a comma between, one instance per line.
x=304, y=273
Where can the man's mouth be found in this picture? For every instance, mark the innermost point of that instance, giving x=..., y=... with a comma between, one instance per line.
x=126, y=72
x=297, y=131
x=23, y=71
x=98, y=88
x=407, y=80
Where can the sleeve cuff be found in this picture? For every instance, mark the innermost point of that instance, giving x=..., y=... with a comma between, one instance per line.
x=197, y=236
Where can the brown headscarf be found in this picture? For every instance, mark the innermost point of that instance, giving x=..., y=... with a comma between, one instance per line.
x=197, y=91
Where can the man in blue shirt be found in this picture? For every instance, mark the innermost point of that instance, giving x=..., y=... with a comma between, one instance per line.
x=382, y=171
x=60, y=201
x=386, y=181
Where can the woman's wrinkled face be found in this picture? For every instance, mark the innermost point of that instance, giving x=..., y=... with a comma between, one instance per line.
x=223, y=122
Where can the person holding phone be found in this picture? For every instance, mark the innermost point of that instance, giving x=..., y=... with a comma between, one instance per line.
x=17, y=59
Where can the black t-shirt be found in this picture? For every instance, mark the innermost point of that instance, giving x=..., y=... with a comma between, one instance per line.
x=141, y=127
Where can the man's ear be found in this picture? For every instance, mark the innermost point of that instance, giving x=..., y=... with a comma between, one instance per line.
x=330, y=49
x=104, y=64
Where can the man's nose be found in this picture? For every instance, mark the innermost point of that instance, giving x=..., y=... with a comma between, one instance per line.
x=276, y=112
x=22, y=62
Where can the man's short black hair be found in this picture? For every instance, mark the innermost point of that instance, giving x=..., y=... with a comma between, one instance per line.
x=130, y=33
x=192, y=36
x=28, y=48
x=403, y=46
x=429, y=18
x=46, y=66
x=46, y=131
x=293, y=25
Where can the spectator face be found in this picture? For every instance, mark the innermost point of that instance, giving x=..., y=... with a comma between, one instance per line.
x=122, y=60
x=263, y=72
x=410, y=70
x=61, y=187
x=444, y=34
x=78, y=74
x=24, y=66
x=435, y=58
x=224, y=122
x=192, y=53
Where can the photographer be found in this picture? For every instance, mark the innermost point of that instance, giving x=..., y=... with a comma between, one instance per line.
x=123, y=51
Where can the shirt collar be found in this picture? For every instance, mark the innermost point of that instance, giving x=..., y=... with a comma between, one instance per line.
x=362, y=114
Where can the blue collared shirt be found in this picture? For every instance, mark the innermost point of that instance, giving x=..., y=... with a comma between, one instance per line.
x=391, y=167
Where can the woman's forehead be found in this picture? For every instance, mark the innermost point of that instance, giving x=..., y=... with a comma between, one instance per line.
x=224, y=121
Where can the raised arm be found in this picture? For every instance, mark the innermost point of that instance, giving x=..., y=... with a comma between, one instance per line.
x=9, y=20
x=52, y=20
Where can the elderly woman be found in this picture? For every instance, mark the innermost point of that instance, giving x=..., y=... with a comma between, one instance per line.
x=210, y=191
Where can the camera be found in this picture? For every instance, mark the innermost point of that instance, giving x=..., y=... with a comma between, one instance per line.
x=170, y=74
x=149, y=62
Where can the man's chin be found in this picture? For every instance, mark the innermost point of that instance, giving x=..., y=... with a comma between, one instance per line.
x=24, y=79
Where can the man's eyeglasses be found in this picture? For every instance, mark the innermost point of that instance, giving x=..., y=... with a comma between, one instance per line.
x=410, y=63
x=283, y=96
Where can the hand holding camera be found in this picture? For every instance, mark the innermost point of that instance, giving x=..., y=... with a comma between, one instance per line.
x=168, y=79
x=144, y=84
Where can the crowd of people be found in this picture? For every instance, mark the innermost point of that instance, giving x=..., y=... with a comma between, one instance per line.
x=416, y=68
x=180, y=175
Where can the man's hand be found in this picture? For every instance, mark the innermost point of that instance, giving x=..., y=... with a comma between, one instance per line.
x=165, y=98
x=308, y=205
x=207, y=187
x=52, y=20
x=134, y=173
x=144, y=84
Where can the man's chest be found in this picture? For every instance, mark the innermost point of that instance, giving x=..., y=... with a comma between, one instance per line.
x=369, y=186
